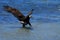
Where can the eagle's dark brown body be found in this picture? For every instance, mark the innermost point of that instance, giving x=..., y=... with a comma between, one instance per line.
x=19, y=15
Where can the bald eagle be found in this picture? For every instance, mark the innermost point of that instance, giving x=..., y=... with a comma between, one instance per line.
x=23, y=19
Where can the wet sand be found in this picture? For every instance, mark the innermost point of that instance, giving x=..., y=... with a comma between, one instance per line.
x=39, y=31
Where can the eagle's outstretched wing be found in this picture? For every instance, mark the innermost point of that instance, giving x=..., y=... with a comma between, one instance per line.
x=15, y=12
x=29, y=13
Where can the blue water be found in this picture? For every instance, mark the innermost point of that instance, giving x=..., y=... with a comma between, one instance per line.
x=44, y=11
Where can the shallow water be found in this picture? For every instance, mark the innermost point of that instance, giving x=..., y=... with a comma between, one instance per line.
x=45, y=20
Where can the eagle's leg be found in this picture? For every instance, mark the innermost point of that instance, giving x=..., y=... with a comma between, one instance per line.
x=23, y=25
x=30, y=24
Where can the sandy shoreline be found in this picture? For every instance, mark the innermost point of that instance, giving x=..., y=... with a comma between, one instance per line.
x=42, y=31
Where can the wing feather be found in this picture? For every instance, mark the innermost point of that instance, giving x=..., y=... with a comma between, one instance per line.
x=15, y=12
x=29, y=13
